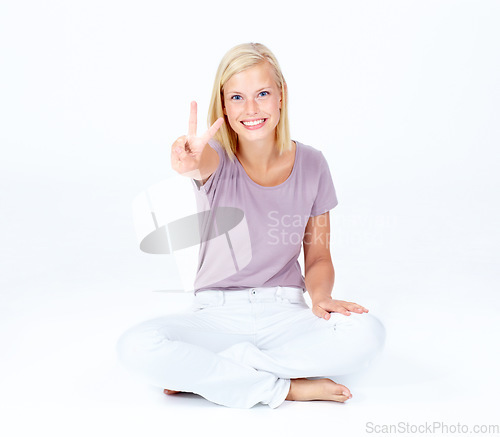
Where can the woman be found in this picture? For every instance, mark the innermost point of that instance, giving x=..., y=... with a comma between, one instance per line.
x=251, y=337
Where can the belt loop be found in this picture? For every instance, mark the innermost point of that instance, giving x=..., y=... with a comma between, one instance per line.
x=222, y=297
x=279, y=291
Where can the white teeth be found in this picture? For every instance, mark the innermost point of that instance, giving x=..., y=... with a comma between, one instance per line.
x=253, y=123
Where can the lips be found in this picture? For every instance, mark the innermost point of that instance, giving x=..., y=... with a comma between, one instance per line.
x=256, y=123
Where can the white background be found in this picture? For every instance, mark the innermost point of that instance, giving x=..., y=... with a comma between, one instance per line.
x=401, y=97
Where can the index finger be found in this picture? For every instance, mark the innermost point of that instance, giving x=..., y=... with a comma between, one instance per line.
x=212, y=130
x=193, y=119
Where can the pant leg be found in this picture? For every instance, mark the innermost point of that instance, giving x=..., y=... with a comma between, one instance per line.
x=182, y=352
x=308, y=346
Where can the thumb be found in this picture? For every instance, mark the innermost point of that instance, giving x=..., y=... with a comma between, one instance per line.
x=321, y=313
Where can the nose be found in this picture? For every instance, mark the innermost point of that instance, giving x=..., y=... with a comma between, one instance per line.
x=252, y=107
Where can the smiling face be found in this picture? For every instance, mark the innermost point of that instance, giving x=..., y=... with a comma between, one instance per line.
x=252, y=103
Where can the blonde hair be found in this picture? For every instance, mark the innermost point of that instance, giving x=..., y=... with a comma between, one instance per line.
x=236, y=60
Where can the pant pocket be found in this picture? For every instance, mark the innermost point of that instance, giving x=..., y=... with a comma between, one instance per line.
x=207, y=299
x=295, y=300
x=296, y=304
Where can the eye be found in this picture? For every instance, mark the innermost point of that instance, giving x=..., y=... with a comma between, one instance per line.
x=264, y=92
x=236, y=97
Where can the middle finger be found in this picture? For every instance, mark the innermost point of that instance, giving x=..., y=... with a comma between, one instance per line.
x=356, y=307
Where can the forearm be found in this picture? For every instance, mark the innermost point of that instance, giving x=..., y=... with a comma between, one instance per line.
x=319, y=278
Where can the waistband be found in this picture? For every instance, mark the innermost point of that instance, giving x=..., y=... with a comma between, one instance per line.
x=246, y=295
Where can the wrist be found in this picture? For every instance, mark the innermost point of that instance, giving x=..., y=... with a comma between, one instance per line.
x=319, y=295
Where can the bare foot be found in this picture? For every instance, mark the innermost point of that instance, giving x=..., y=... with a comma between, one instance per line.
x=303, y=389
x=170, y=392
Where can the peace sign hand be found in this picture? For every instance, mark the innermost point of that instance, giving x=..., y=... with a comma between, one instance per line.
x=187, y=149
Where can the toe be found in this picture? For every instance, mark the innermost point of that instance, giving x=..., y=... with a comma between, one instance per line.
x=345, y=391
x=342, y=391
x=169, y=392
x=340, y=398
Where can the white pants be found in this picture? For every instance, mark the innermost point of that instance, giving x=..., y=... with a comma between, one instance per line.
x=239, y=348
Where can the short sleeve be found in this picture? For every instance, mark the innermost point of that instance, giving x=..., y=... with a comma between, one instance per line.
x=215, y=176
x=326, y=197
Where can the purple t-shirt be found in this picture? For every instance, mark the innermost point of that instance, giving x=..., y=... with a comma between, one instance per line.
x=251, y=235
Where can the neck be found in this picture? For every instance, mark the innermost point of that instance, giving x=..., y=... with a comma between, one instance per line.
x=257, y=155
